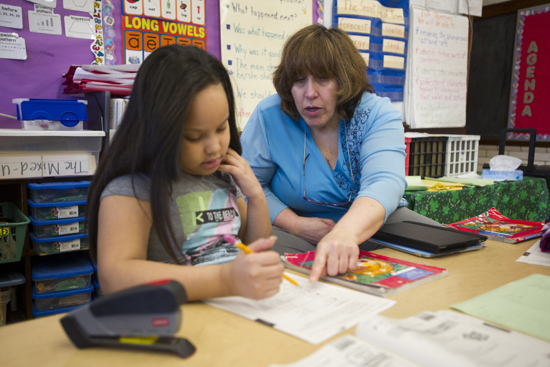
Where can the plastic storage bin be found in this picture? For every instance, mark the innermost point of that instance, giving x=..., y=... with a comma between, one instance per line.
x=427, y=156
x=57, y=300
x=461, y=155
x=56, y=311
x=97, y=286
x=58, y=191
x=5, y=296
x=51, y=114
x=8, y=282
x=58, y=227
x=13, y=229
x=56, y=245
x=56, y=274
x=62, y=210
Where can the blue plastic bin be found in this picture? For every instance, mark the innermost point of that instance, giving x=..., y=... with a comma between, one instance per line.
x=55, y=274
x=54, y=192
x=55, y=245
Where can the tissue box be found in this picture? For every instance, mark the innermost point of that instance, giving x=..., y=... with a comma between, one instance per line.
x=51, y=114
x=502, y=175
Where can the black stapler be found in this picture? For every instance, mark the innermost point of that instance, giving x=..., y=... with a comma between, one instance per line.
x=144, y=317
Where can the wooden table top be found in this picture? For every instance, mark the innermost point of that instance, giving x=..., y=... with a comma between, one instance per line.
x=224, y=339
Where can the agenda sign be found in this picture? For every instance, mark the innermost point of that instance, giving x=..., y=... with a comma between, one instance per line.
x=529, y=107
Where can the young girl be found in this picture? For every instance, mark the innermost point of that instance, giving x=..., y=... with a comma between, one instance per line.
x=163, y=194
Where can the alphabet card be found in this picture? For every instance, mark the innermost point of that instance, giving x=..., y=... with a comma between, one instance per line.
x=530, y=90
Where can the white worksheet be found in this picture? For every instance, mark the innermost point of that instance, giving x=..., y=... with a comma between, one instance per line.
x=312, y=312
x=451, y=339
x=535, y=256
x=350, y=351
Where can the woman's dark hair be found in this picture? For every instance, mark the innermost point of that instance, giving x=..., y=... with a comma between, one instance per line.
x=148, y=140
x=322, y=52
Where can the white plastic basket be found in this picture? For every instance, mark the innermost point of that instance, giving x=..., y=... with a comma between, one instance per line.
x=461, y=155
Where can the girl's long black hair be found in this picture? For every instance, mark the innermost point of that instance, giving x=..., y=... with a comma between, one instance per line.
x=148, y=140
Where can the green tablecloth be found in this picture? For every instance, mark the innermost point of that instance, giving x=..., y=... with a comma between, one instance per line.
x=527, y=199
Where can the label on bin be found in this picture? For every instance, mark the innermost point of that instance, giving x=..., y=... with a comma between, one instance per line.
x=69, y=245
x=68, y=228
x=67, y=212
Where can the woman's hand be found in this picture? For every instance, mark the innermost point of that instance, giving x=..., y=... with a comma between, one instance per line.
x=256, y=275
x=243, y=175
x=313, y=229
x=336, y=253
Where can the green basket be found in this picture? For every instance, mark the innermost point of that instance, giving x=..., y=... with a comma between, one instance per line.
x=12, y=234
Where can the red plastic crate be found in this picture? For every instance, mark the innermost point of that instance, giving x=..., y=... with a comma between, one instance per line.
x=407, y=151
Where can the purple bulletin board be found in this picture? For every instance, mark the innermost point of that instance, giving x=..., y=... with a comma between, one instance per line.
x=49, y=56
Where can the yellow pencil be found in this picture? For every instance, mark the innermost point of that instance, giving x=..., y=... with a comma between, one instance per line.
x=245, y=248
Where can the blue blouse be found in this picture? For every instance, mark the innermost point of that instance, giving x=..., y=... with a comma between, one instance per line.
x=273, y=145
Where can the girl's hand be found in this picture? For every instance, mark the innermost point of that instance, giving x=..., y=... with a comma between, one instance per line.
x=243, y=175
x=256, y=275
x=336, y=253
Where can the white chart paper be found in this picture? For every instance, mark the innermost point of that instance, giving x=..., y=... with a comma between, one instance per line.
x=437, y=70
x=252, y=37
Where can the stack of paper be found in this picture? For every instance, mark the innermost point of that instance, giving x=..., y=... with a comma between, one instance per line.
x=442, y=338
x=117, y=79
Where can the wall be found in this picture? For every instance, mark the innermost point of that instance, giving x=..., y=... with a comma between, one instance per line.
x=486, y=152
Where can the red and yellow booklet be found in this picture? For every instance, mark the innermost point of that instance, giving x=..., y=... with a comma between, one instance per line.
x=497, y=227
x=376, y=274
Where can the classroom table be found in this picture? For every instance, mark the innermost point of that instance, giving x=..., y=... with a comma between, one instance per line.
x=224, y=339
x=527, y=199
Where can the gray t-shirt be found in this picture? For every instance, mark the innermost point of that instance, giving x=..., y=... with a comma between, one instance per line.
x=202, y=209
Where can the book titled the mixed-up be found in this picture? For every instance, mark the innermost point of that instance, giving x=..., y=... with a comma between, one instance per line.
x=375, y=274
x=497, y=227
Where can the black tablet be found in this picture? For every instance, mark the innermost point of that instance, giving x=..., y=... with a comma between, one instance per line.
x=438, y=239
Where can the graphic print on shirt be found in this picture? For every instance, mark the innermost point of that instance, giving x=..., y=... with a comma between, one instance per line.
x=355, y=129
x=206, y=216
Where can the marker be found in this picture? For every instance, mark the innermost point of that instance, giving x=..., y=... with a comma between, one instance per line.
x=235, y=242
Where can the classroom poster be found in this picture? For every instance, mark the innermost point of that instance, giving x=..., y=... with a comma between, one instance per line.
x=379, y=29
x=252, y=37
x=438, y=68
x=530, y=90
x=149, y=24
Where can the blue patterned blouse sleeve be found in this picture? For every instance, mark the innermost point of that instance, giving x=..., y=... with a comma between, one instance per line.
x=378, y=126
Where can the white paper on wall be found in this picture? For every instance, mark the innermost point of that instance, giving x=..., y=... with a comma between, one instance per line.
x=437, y=70
x=252, y=37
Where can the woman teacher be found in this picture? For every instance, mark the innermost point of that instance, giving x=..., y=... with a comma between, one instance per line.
x=329, y=153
